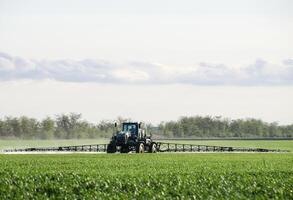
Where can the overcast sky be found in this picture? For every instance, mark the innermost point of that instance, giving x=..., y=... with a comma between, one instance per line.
x=151, y=60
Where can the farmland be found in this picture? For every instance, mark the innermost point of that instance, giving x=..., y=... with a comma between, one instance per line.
x=270, y=144
x=7, y=144
x=147, y=176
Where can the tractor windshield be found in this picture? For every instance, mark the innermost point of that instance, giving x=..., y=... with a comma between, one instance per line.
x=132, y=128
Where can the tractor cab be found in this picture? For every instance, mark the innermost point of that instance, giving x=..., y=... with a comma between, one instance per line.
x=130, y=127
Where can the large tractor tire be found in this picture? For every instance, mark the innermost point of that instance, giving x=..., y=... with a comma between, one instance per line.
x=111, y=148
x=140, y=148
x=124, y=149
x=153, y=148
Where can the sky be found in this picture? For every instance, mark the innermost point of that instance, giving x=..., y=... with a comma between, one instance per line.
x=148, y=60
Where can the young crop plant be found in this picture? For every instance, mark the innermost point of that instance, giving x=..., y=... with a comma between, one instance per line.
x=147, y=176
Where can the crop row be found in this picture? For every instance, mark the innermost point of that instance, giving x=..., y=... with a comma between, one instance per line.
x=173, y=176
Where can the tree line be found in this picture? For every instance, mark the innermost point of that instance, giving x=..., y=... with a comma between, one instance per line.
x=69, y=126
x=208, y=126
x=63, y=126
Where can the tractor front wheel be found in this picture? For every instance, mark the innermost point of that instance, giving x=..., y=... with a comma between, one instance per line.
x=153, y=148
x=140, y=148
x=124, y=149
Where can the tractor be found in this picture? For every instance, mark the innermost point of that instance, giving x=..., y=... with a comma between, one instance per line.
x=131, y=138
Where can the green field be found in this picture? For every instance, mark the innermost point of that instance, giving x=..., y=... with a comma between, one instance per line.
x=271, y=144
x=11, y=144
x=147, y=176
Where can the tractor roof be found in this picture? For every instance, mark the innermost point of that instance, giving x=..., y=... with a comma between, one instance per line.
x=130, y=122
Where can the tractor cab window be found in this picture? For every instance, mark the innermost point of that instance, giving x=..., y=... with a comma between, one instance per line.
x=132, y=128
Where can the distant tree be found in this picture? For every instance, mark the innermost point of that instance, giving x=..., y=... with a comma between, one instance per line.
x=67, y=126
x=13, y=127
x=47, y=128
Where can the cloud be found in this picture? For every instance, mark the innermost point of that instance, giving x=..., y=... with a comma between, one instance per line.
x=260, y=72
x=288, y=62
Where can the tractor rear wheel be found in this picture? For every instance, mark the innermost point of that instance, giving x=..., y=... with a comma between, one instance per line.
x=140, y=148
x=111, y=148
x=153, y=148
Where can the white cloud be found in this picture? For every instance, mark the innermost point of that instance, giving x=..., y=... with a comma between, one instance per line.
x=288, y=62
x=260, y=72
x=131, y=75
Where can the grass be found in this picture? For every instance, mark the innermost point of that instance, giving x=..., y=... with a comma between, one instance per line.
x=147, y=176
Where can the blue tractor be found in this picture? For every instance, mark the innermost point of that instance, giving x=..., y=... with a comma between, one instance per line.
x=131, y=138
